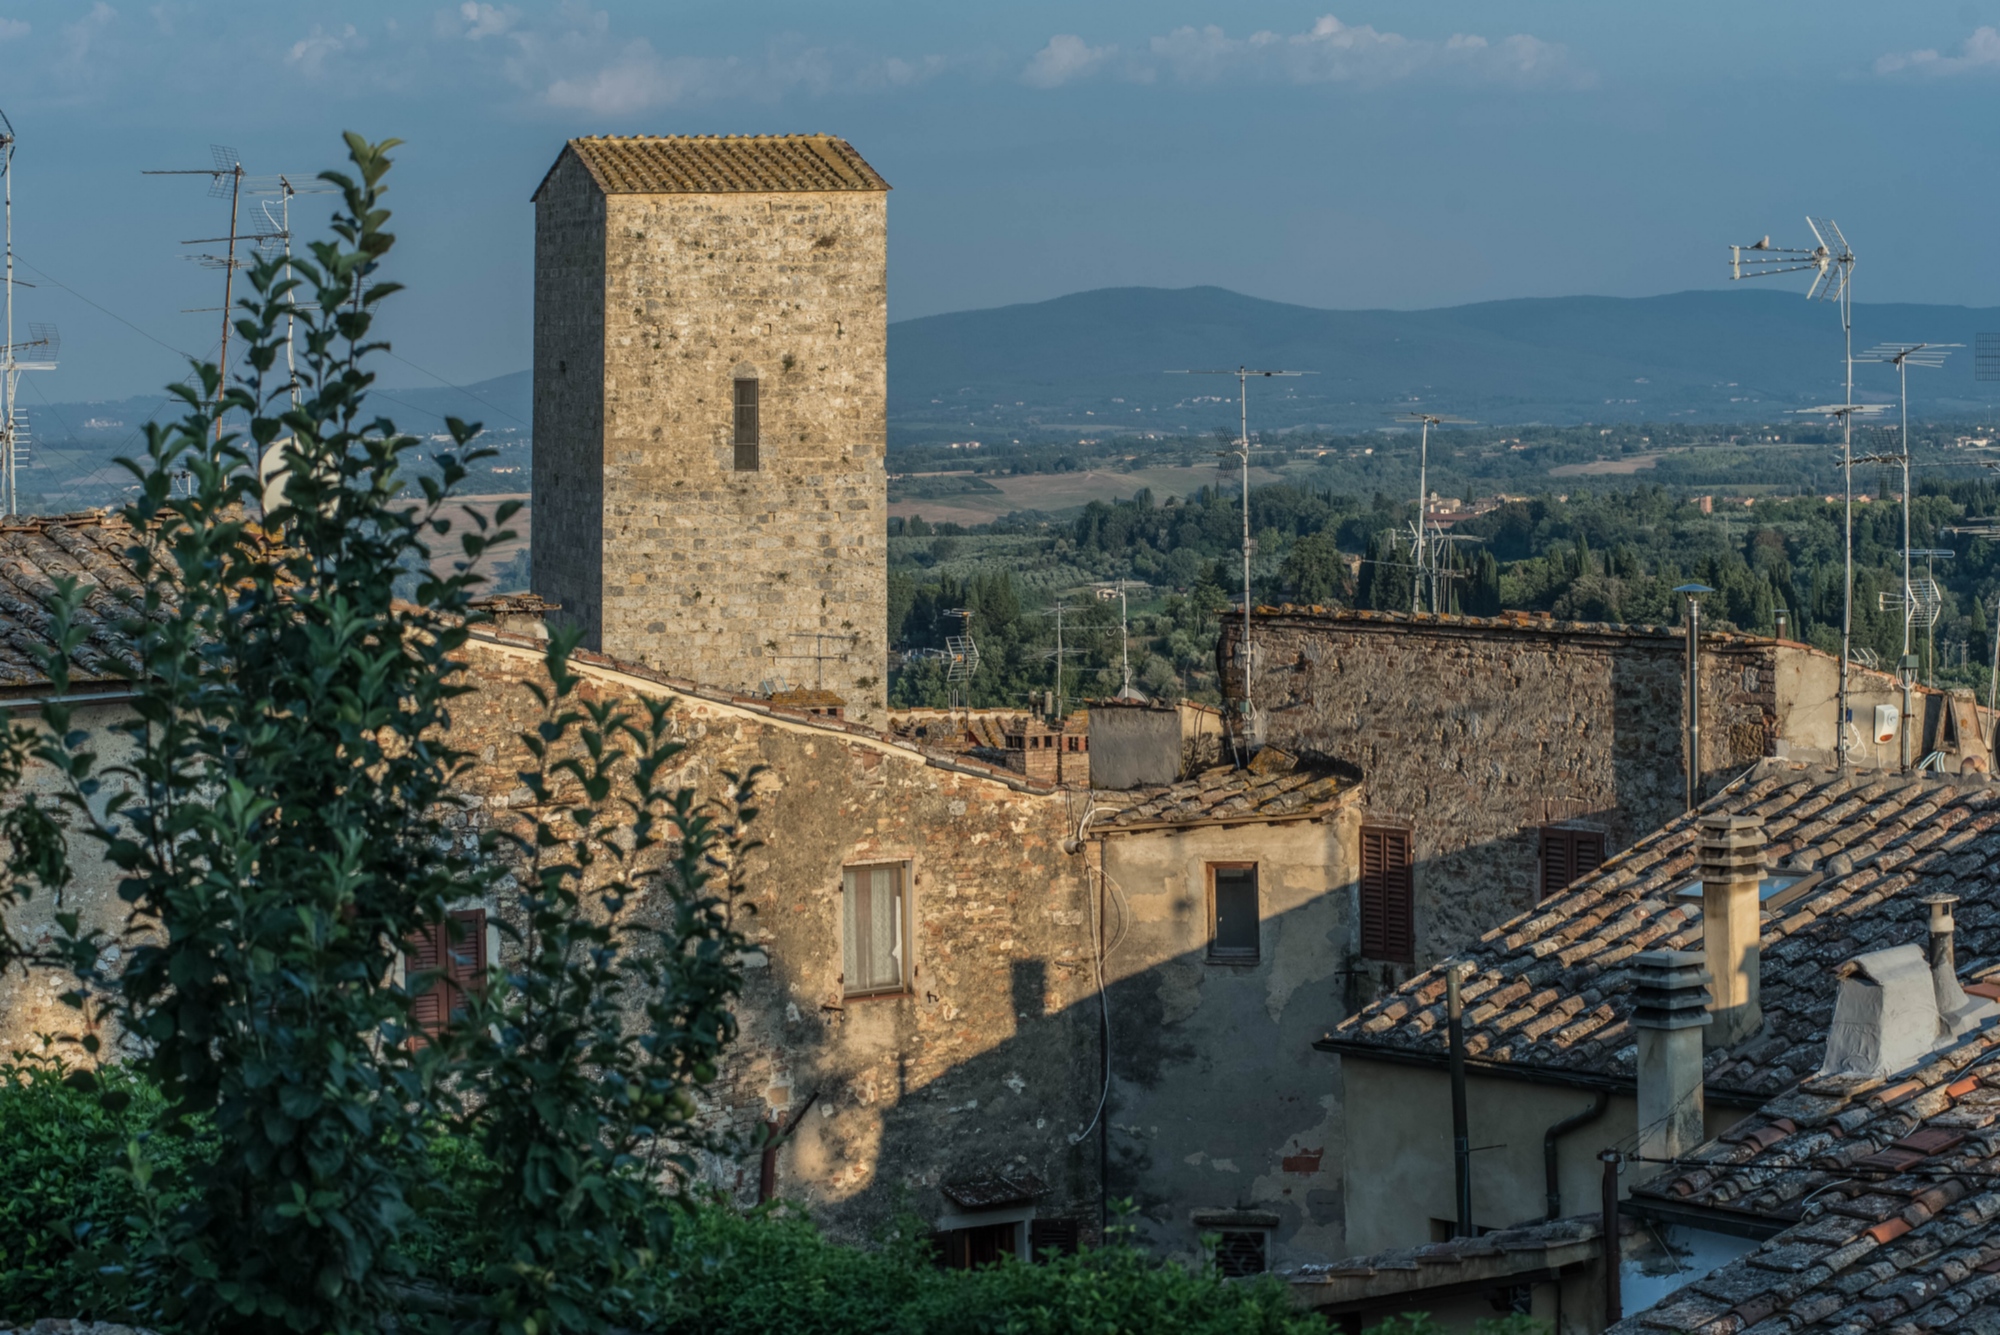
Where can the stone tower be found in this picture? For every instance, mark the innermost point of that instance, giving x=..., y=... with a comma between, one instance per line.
x=711, y=339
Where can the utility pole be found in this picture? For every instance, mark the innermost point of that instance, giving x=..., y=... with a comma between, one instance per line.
x=1692, y=593
x=42, y=339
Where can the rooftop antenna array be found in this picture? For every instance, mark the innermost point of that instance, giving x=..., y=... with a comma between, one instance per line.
x=40, y=348
x=1421, y=549
x=961, y=654
x=228, y=180
x=1124, y=640
x=1919, y=606
x=1831, y=262
x=1241, y=450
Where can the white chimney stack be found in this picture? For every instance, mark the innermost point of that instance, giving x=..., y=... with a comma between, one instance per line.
x=1732, y=868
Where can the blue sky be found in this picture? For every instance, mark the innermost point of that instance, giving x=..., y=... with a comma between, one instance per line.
x=1334, y=154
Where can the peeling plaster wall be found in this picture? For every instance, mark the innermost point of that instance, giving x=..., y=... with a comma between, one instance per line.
x=1218, y=1101
x=991, y=1062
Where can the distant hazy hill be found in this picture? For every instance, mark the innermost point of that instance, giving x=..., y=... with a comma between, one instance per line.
x=1735, y=355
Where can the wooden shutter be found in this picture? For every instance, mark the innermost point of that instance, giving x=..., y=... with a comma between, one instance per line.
x=1388, y=909
x=1567, y=855
x=452, y=957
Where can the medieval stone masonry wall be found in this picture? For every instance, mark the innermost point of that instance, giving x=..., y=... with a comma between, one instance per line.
x=1476, y=735
x=989, y=1062
x=749, y=580
x=566, y=539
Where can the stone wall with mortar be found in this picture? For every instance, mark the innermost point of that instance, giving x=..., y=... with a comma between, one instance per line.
x=990, y=1061
x=757, y=579
x=1475, y=733
x=567, y=538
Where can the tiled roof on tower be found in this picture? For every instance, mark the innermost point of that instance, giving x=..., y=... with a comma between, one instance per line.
x=721, y=164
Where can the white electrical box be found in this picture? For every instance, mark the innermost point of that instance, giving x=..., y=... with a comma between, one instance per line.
x=1887, y=719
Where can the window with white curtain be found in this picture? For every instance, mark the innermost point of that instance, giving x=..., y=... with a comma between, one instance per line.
x=874, y=930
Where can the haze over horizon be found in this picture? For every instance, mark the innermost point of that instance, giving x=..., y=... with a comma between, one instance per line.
x=1362, y=156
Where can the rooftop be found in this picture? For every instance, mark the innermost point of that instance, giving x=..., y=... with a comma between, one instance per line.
x=1551, y=991
x=1889, y=1188
x=92, y=547
x=1274, y=786
x=1416, y=1274
x=721, y=164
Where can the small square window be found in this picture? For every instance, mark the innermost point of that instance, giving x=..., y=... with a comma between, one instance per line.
x=748, y=433
x=874, y=931
x=1234, y=920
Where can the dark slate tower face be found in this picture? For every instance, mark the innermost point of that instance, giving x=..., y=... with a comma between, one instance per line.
x=711, y=339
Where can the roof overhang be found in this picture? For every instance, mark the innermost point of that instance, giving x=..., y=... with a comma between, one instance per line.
x=1533, y=1075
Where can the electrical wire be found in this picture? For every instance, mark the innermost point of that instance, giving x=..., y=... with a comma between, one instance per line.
x=1097, y=964
x=460, y=388
x=57, y=282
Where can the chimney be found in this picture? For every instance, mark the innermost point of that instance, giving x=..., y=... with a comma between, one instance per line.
x=1672, y=1011
x=1732, y=865
x=1952, y=1003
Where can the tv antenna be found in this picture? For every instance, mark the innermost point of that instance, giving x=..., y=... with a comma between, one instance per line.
x=228, y=180
x=1057, y=654
x=961, y=654
x=1241, y=450
x=1830, y=260
x=1125, y=691
x=41, y=347
x=1903, y=356
x=1846, y=412
x=1421, y=549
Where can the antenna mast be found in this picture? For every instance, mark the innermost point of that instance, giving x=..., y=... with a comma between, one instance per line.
x=1241, y=451
x=1831, y=263
x=1428, y=420
x=42, y=338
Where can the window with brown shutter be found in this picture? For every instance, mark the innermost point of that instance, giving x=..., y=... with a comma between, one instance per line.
x=1388, y=898
x=1234, y=920
x=446, y=960
x=1568, y=854
x=748, y=434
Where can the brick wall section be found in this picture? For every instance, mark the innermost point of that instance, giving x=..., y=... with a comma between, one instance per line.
x=567, y=538
x=737, y=578
x=1476, y=733
x=991, y=1062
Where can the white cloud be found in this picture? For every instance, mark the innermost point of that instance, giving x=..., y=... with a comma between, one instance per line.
x=80, y=36
x=477, y=21
x=1328, y=52
x=638, y=78
x=1066, y=57
x=1977, y=53
x=12, y=28
x=312, y=52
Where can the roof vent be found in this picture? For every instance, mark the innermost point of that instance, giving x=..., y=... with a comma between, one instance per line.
x=1893, y=1010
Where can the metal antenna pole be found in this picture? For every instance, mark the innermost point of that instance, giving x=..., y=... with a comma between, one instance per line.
x=1242, y=451
x=1422, y=547
x=1124, y=642
x=1831, y=262
x=10, y=500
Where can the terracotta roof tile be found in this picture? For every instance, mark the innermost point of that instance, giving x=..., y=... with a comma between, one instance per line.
x=722, y=164
x=1881, y=841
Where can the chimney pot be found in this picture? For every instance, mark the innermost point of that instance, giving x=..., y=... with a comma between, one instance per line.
x=1732, y=869
x=1671, y=1013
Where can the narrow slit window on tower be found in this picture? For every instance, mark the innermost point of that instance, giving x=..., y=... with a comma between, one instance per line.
x=747, y=437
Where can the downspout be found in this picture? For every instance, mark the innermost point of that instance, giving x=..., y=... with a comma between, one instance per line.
x=1556, y=1133
x=1461, y=1134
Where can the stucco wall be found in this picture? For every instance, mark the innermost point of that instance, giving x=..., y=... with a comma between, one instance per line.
x=1218, y=1101
x=1132, y=746
x=1399, y=1174
x=749, y=580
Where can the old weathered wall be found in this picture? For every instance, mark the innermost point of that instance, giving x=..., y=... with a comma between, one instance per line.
x=567, y=538
x=989, y=1063
x=1134, y=745
x=1218, y=1101
x=1475, y=734
x=30, y=1003
x=748, y=580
